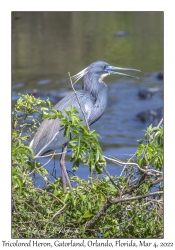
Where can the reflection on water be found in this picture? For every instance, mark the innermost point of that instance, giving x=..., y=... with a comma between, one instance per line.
x=46, y=45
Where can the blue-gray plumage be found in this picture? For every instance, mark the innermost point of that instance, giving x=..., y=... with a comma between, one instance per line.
x=93, y=98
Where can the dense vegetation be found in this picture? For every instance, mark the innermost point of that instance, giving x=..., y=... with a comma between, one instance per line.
x=104, y=206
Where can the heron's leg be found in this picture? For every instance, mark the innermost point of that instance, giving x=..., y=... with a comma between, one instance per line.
x=62, y=165
x=63, y=170
x=63, y=180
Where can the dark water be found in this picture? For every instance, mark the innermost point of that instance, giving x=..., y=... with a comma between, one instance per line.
x=46, y=45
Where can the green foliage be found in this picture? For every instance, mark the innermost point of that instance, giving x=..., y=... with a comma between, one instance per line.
x=24, y=125
x=24, y=120
x=51, y=213
x=84, y=143
x=150, y=150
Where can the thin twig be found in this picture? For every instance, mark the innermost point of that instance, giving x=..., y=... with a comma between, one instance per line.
x=110, y=177
x=14, y=204
x=59, y=212
x=46, y=145
x=140, y=182
x=126, y=164
x=44, y=156
x=158, y=126
x=153, y=200
x=31, y=208
x=49, y=159
x=52, y=155
x=79, y=102
x=160, y=122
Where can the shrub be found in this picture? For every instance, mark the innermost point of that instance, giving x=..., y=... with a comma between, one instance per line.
x=104, y=206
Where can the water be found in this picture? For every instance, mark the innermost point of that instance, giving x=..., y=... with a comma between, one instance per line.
x=46, y=45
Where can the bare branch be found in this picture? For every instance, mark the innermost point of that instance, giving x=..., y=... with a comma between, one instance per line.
x=79, y=102
x=157, y=181
x=44, y=156
x=116, y=200
x=145, y=171
x=111, y=201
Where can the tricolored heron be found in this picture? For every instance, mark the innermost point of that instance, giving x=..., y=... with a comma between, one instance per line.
x=93, y=99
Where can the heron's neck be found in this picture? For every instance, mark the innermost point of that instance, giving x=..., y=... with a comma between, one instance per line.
x=99, y=91
x=94, y=87
x=101, y=98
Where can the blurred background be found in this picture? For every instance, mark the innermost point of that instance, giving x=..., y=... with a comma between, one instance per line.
x=47, y=45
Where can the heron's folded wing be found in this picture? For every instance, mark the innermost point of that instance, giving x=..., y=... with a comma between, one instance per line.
x=50, y=134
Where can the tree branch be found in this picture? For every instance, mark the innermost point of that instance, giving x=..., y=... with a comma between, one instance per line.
x=116, y=200
x=111, y=201
x=145, y=171
x=110, y=177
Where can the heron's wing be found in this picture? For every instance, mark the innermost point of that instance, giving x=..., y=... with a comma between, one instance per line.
x=46, y=136
x=50, y=134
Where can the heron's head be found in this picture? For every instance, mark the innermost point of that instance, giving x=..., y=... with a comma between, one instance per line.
x=102, y=69
x=98, y=70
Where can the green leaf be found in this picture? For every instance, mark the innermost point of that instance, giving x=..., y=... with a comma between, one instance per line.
x=99, y=168
x=76, y=165
x=49, y=211
x=67, y=132
x=87, y=215
x=97, y=155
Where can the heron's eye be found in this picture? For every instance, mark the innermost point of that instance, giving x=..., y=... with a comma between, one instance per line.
x=104, y=67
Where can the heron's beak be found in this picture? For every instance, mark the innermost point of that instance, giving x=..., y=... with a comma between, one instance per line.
x=110, y=68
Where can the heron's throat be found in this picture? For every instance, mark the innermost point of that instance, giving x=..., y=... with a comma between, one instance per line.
x=94, y=84
x=102, y=77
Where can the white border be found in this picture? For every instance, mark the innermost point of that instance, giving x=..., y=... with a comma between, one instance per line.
x=5, y=93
